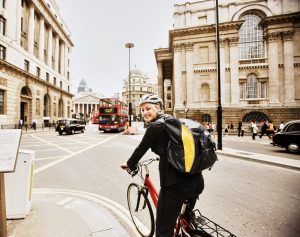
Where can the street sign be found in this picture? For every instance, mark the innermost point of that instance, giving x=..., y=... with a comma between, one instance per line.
x=9, y=147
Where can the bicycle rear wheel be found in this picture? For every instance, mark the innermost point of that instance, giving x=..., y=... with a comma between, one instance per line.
x=140, y=210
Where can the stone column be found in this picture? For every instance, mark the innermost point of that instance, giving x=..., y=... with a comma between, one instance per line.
x=62, y=58
x=234, y=71
x=49, y=56
x=178, y=92
x=289, y=73
x=160, y=85
x=18, y=22
x=42, y=39
x=273, y=68
x=224, y=95
x=31, y=29
x=189, y=61
x=56, y=56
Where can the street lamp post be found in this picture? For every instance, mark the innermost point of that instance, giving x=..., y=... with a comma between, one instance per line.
x=219, y=111
x=129, y=46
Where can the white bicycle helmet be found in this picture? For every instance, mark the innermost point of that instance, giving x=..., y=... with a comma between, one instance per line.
x=151, y=98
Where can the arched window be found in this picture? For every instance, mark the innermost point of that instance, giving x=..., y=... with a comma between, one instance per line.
x=251, y=86
x=251, y=43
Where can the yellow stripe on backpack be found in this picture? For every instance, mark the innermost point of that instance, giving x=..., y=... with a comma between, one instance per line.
x=189, y=148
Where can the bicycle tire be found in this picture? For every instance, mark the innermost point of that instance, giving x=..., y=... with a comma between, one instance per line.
x=140, y=210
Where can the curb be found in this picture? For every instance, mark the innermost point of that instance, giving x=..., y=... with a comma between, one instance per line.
x=262, y=161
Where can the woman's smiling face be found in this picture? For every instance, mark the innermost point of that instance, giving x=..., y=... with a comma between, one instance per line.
x=149, y=111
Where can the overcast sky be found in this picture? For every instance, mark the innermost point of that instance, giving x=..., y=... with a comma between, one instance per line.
x=100, y=29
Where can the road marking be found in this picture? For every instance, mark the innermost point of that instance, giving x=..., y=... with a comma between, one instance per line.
x=52, y=144
x=71, y=155
x=115, y=207
x=48, y=158
x=65, y=201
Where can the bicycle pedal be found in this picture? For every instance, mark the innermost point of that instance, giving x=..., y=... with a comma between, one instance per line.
x=200, y=220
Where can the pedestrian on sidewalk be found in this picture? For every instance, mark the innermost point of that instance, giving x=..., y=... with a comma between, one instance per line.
x=271, y=130
x=21, y=123
x=281, y=126
x=240, y=128
x=264, y=128
x=226, y=127
x=254, y=129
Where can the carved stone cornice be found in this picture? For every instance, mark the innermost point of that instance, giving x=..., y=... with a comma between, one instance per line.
x=206, y=70
x=279, y=19
x=288, y=35
x=272, y=37
x=189, y=46
x=233, y=41
x=222, y=42
x=253, y=66
x=233, y=26
x=3, y=82
x=177, y=47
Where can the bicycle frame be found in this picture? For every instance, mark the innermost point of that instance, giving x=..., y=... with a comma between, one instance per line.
x=151, y=189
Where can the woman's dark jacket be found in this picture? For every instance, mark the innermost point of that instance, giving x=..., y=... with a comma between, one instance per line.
x=157, y=139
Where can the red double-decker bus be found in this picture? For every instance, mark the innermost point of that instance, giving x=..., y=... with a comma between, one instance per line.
x=95, y=117
x=113, y=115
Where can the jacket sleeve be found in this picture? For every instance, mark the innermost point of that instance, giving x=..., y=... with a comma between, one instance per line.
x=151, y=136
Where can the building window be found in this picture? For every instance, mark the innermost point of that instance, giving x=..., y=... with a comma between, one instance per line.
x=263, y=89
x=54, y=81
x=1, y=101
x=251, y=43
x=26, y=65
x=2, y=25
x=242, y=94
x=68, y=88
x=47, y=76
x=68, y=75
x=2, y=52
x=38, y=72
x=60, y=84
x=251, y=86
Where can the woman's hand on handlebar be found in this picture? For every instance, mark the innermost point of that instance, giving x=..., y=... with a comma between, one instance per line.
x=124, y=166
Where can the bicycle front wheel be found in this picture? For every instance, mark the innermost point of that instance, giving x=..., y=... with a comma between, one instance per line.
x=140, y=210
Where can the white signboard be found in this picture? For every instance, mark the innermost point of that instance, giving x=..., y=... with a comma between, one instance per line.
x=9, y=147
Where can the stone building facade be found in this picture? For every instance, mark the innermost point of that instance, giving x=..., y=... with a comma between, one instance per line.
x=259, y=61
x=140, y=84
x=35, y=46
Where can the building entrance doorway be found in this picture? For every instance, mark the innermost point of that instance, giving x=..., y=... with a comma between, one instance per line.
x=23, y=109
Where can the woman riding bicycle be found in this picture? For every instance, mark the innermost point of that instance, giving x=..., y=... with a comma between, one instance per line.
x=176, y=187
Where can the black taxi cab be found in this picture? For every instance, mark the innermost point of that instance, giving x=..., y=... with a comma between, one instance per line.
x=69, y=126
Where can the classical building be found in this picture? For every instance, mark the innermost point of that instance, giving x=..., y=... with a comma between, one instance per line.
x=85, y=101
x=35, y=54
x=140, y=84
x=259, y=61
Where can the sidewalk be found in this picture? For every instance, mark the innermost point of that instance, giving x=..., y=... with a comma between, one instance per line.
x=63, y=214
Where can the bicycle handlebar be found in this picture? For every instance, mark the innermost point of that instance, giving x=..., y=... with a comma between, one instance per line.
x=140, y=165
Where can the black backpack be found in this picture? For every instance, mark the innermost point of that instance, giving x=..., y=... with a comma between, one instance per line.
x=189, y=150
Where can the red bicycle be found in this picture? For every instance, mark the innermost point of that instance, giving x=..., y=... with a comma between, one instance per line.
x=142, y=214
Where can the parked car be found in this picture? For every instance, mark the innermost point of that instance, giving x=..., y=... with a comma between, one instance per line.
x=289, y=137
x=69, y=126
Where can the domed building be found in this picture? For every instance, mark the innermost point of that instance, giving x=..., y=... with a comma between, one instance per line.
x=140, y=84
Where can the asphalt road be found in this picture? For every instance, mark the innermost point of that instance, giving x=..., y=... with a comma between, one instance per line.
x=248, y=198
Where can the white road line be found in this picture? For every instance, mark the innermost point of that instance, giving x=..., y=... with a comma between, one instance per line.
x=52, y=144
x=115, y=207
x=65, y=201
x=70, y=156
x=48, y=158
x=73, y=140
